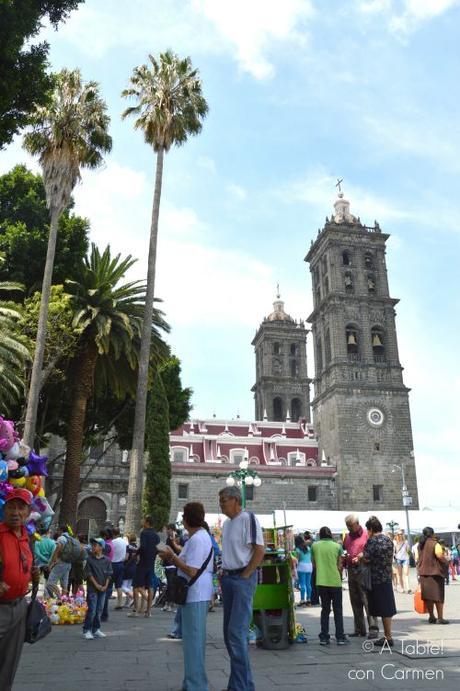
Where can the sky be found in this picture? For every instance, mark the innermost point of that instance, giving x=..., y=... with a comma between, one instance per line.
x=300, y=92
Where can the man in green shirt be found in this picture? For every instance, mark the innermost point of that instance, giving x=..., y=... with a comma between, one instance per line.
x=327, y=559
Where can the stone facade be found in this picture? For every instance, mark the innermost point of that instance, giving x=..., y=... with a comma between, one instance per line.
x=361, y=405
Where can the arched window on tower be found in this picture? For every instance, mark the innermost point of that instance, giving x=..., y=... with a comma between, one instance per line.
x=278, y=412
x=370, y=279
x=276, y=349
x=294, y=367
x=327, y=347
x=317, y=285
x=378, y=344
x=369, y=260
x=348, y=282
x=346, y=258
x=352, y=341
x=294, y=349
x=296, y=409
x=319, y=354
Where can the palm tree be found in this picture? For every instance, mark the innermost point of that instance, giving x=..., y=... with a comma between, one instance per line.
x=67, y=134
x=170, y=107
x=108, y=317
x=13, y=354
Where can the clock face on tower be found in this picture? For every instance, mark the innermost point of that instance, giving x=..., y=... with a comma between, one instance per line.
x=375, y=417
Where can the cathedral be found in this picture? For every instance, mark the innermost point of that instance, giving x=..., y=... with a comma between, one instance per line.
x=334, y=442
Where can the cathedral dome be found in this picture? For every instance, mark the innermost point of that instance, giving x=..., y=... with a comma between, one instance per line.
x=278, y=313
x=342, y=211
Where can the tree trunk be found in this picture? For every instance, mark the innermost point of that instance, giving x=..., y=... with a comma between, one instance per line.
x=136, y=457
x=83, y=386
x=36, y=376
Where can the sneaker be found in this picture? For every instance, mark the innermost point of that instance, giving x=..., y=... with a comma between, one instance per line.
x=88, y=635
x=132, y=614
x=342, y=641
x=322, y=642
x=373, y=633
x=173, y=637
x=443, y=621
x=99, y=634
x=432, y=620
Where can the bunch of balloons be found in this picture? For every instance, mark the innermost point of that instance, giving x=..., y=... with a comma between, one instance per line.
x=21, y=467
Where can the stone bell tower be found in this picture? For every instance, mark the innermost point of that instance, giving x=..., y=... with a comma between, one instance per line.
x=282, y=388
x=361, y=405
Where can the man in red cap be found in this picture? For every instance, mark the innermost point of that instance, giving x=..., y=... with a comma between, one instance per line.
x=16, y=572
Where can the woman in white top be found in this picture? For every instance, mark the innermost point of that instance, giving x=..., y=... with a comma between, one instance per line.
x=401, y=555
x=194, y=553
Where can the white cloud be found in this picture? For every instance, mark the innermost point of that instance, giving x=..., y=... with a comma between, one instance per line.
x=247, y=30
x=405, y=16
x=317, y=189
x=200, y=283
x=237, y=192
x=252, y=27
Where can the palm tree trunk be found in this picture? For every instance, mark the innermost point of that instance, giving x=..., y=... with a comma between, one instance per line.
x=83, y=378
x=136, y=460
x=36, y=376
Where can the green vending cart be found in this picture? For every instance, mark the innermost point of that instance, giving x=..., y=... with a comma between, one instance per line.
x=273, y=606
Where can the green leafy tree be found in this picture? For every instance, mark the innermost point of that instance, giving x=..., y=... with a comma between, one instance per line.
x=24, y=230
x=179, y=399
x=23, y=78
x=67, y=134
x=62, y=339
x=169, y=108
x=108, y=315
x=13, y=353
x=157, y=491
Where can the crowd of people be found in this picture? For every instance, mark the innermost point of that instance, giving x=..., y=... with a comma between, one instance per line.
x=375, y=564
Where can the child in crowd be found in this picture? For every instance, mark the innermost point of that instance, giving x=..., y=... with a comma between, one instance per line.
x=98, y=572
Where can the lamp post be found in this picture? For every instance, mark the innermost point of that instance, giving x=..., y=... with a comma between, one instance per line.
x=243, y=477
x=392, y=525
x=407, y=499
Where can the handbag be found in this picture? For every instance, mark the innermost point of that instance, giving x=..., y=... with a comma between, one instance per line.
x=38, y=624
x=419, y=604
x=180, y=585
x=364, y=577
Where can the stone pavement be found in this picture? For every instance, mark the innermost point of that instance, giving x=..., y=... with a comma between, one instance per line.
x=137, y=656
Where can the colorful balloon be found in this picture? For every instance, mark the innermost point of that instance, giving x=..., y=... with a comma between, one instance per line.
x=37, y=464
x=34, y=484
x=3, y=471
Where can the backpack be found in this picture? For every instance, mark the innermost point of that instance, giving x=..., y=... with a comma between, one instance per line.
x=72, y=551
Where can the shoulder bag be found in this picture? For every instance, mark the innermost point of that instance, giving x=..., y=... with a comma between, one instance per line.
x=180, y=586
x=38, y=624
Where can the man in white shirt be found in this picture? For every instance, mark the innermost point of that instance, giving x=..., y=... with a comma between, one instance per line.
x=119, y=546
x=242, y=552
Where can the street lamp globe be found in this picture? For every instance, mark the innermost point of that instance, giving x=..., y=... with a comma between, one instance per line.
x=230, y=481
x=257, y=482
x=244, y=464
x=248, y=480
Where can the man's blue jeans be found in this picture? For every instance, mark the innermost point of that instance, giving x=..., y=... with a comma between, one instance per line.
x=193, y=617
x=95, y=601
x=237, y=595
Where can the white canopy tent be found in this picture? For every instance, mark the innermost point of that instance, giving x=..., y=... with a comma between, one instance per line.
x=445, y=522
x=440, y=521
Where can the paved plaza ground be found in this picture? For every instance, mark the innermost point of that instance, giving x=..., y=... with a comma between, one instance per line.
x=137, y=656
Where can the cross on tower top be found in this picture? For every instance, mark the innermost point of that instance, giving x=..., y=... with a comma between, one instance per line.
x=278, y=291
x=339, y=182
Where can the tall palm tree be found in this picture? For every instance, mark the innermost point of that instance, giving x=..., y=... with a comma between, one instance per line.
x=108, y=316
x=14, y=355
x=169, y=107
x=68, y=134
